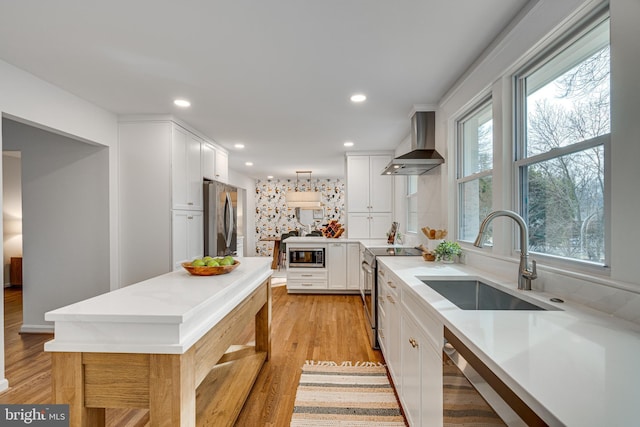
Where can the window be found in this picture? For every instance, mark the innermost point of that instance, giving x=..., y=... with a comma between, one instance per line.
x=563, y=122
x=475, y=167
x=412, y=204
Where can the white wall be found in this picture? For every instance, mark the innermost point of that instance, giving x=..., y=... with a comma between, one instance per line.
x=34, y=101
x=11, y=209
x=619, y=292
x=65, y=200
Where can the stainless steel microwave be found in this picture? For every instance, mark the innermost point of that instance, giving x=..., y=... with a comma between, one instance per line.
x=306, y=257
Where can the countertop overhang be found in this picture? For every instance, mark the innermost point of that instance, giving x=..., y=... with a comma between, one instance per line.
x=166, y=314
x=574, y=366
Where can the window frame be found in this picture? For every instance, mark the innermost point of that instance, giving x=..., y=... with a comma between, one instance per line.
x=520, y=161
x=411, y=197
x=461, y=179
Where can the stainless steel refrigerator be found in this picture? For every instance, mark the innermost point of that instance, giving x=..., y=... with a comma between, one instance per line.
x=221, y=202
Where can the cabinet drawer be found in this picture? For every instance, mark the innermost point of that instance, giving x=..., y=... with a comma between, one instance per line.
x=309, y=274
x=307, y=284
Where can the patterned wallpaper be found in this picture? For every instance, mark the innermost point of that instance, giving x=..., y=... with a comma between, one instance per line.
x=273, y=217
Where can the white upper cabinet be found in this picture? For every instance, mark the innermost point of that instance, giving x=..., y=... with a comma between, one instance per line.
x=186, y=172
x=367, y=189
x=208, y=161
x=215, y=163
x=380, y=186
x=222, y=166
x=369, y=196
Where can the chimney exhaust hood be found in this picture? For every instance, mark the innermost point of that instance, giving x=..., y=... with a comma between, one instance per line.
x=423, y=155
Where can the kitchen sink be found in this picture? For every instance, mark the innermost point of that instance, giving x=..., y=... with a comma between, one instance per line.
x=476, y=295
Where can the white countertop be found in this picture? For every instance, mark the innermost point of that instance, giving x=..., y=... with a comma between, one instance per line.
x=575, y=367
x=165, y=314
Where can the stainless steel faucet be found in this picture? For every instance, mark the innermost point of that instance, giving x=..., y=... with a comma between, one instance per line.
x=525, y=275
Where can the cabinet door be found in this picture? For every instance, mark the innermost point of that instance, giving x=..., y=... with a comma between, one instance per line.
x=421, y=376
x=337, y=265
x=379, y=224
x=358, y=176
x=194, y=172
x=195, y=235
x=208, y=161
x=358, y=225
x=353, y=266
x=186, y=172
x=381, y=186
x=187, y=238
x=222, y=166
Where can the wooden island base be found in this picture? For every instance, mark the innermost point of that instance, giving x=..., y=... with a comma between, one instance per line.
x=205, y=386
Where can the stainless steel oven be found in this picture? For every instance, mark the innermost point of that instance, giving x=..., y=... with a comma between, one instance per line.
x=306, y=257
x=369, y=285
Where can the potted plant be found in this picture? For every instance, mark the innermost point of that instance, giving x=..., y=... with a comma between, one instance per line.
x=445, y=251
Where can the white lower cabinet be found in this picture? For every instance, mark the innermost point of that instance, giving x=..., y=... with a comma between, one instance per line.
x=343, y=266
x=421, y=392
x=411, y=342
x=187, y=229
x=306, y=279
x=353, y=266
x=337, y=265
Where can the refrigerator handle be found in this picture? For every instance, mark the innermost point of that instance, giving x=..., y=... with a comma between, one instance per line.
x=229, y=221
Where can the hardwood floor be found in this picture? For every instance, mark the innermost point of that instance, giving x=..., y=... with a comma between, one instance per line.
x=304, y=327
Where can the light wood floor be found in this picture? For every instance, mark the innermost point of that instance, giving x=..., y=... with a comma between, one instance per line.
x=304, y=327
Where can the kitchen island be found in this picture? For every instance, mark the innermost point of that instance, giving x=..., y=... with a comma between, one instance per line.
x=167, y=344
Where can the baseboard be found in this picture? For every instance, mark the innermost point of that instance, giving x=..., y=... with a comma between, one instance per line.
x=36, y=329
x=4, y=384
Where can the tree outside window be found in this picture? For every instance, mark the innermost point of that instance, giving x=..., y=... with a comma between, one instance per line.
x=565, y=117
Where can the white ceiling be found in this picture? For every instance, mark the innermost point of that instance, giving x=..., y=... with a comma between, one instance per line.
x=275, y=75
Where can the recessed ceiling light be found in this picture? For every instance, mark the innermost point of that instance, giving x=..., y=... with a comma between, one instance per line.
x=182, y=103
x=248, y=163
x=269, y=176
x=358, y=97
x=348, y=144
x=239, y=145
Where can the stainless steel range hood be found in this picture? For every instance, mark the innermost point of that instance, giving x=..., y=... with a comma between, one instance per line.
x=423, y=155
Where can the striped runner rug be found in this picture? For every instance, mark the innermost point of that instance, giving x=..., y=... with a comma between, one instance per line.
x=354, y=395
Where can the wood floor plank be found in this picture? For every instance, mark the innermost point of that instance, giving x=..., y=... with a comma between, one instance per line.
x=304, y=327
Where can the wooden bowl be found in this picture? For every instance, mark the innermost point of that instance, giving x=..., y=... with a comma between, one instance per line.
x=427, y=256
x=209, y=271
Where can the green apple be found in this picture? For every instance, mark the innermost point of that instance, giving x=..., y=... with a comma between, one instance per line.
x=207, y=259
x=213, y=263
x=198, y=263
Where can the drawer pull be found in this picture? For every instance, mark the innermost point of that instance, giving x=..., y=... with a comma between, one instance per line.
x=381, y=334
x=307, y=275
x=381, y=272
x=391, y=285
x=413, y=342
x=307, y=284
x=390, y=299
x=190, y=203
